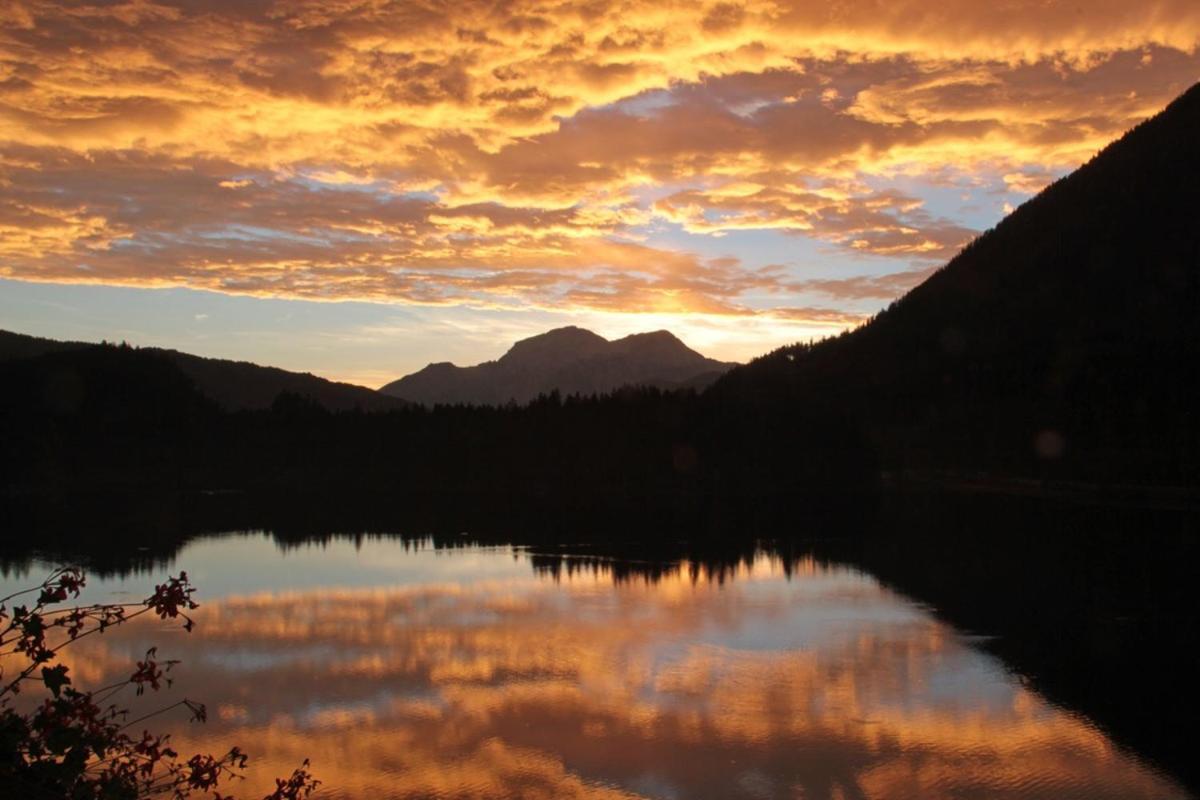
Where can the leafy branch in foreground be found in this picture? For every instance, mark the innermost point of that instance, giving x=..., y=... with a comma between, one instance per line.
x=81, y=744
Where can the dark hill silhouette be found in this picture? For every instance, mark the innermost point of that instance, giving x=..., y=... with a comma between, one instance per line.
x=19, y=345
x=74, y=417
x=234, y=385
x=568, y=360
x=1062, y=343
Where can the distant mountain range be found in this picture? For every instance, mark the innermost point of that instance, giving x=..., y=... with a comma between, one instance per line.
x=570, y=360
x=234, y=385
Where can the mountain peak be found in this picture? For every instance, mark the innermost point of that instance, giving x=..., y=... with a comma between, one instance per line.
x=570, y=359
x=659, y=335
x=568, y=334
x=566, y=331
x=555, y=348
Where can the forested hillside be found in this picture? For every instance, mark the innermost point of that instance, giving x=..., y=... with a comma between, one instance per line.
x=1065, y=342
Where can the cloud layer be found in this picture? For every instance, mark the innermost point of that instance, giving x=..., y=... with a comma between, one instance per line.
x=587, y=155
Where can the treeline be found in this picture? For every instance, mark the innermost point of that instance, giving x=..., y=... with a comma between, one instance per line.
x=116, y=420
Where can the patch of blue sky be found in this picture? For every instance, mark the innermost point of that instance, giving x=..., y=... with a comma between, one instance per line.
x=801, y=256
x=945, y=195
x=384, y=189
x=135, y=243
x=367, y=343
x=421, y=195
x=749, y=108
x=246, y=178
x=316, y=183
x=647, y=193
x=645, y=104
x=255, y=233
x=974, y=201
x=205, y=323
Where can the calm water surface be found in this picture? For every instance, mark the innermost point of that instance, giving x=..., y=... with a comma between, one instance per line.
x=405, y=672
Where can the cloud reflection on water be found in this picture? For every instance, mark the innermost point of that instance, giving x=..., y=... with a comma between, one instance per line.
x=823, y=684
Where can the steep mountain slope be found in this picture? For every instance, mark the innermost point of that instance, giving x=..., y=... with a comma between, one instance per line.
x=232, y=384
x=1064, y=342
x=571, y=360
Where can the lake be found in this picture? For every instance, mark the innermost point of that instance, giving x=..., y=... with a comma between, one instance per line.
x=406, y=671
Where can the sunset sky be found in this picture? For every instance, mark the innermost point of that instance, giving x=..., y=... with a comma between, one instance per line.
x=358, y=187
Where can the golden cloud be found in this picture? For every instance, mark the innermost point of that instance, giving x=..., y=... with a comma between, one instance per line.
x=521, y=154
x=882, y=223
x=260, y=235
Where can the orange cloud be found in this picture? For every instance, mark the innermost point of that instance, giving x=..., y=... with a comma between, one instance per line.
x=882, y=223
x=259, y=235
x=527, y=154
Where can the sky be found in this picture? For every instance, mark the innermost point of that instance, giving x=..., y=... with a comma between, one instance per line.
x=356, y=188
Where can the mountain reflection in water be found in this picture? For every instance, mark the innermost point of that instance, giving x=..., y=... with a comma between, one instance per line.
x=407, y=672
